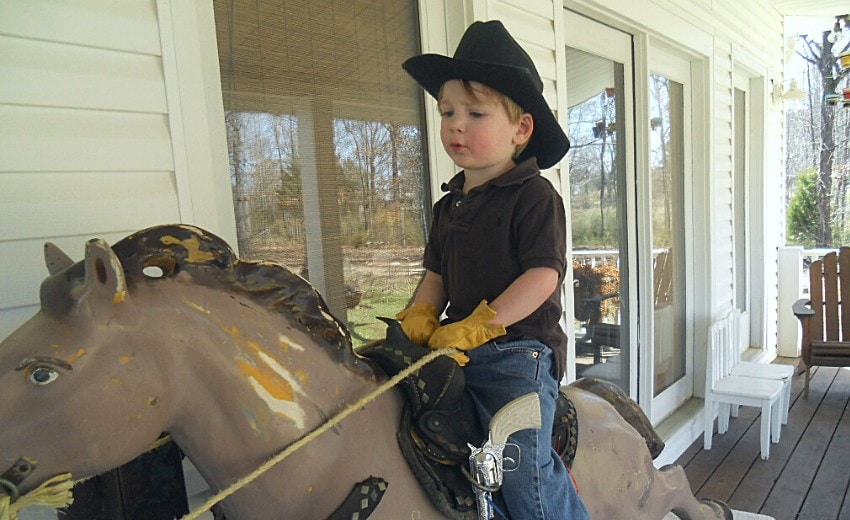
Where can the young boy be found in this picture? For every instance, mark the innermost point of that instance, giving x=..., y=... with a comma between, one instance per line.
x=496, y=252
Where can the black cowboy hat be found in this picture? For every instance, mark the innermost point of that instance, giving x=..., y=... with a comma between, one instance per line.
x=489, y=55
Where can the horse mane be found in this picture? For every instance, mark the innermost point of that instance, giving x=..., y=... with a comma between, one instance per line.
x=173, y=249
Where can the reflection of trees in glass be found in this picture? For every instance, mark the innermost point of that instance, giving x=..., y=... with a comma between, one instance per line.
x=661, y=160
x=382, y=187
x=380, y=196
x=266, y=178
x=593, y=174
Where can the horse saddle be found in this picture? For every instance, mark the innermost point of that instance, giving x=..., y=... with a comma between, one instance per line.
x=440, y=421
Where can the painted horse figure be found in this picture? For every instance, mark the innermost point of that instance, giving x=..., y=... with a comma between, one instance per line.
x=167, y=331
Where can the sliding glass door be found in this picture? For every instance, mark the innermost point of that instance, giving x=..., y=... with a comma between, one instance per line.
x=665, y=195
x=629, y=180
x=601, y=121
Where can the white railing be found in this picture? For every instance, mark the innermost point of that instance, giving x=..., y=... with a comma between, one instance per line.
x=596, y=257
x=792, y=284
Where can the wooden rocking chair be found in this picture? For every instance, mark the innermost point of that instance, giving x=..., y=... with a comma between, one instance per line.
x=825, y=316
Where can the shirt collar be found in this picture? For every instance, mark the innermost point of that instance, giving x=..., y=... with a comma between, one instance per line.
x=516, y=175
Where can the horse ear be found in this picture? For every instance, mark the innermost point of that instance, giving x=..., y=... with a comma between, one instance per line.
x=104, y=274
x=56, y=259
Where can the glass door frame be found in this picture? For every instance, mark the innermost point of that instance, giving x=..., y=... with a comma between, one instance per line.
x=678, y=69
x=593, y=37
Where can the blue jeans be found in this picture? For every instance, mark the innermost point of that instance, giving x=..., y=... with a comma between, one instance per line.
x=498, y=372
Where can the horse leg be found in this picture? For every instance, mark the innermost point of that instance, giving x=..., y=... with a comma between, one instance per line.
x=672, y=482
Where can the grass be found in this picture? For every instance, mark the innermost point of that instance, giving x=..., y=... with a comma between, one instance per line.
x=363, y=322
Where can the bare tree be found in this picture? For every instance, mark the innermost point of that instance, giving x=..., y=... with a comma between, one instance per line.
x=822, y=56
x=365, y=145
x=235, y=125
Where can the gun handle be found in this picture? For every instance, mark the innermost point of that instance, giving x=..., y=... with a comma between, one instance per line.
x=519, y=414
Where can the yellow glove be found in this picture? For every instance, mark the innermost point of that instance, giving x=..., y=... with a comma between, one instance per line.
x=468, y=333
x=419, y=321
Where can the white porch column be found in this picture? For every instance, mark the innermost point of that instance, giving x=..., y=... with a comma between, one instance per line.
x=790, y=269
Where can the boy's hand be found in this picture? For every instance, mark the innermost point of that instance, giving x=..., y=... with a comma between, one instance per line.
x=419, y=321
x=468, y=333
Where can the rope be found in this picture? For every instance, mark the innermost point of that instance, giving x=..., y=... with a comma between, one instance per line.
x=292, y=448
x=54, y=492
x=162, y=441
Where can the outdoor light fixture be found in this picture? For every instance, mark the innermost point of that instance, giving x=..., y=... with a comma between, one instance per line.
x=794, y=91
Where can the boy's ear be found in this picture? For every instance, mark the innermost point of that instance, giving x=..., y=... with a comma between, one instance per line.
x=524, y=130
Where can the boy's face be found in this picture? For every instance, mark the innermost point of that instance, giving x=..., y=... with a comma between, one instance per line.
x=477, y=132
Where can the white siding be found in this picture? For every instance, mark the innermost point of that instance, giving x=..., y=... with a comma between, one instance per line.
x=721, y=206
x=94, y=131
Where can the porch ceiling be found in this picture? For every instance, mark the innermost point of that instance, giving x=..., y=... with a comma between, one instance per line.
x=810, y=16
x=812, y=7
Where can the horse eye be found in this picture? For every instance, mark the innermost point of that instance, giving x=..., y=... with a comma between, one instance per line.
x=43, y=375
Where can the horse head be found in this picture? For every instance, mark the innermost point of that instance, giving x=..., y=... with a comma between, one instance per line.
x=167, y=331
x=65, y=374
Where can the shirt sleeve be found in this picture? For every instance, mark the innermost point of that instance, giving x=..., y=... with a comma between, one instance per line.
x=541, y=229
x=432, y=258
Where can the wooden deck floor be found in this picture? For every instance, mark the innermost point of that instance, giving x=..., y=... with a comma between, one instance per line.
x=807, y=474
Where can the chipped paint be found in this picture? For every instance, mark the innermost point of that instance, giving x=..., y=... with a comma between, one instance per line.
x=126, y=359
x=333, y=320
x=288, y=409
x=233, y=332
x=116, y=381
x=195, y=306
x=80, y=353
x=286, y=342
x=283, y=372
x=274, y=383
x=254, y=346
x=252, y=421
x=193, y=248
x=153, y=402
x=276, y=386
x=271, y=381
x=119, y=296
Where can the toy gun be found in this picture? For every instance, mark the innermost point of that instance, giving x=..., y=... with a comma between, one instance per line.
x=486, y=463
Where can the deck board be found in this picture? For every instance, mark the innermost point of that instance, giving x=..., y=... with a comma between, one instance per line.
x=808, y=473
x=759, y=481
x=832, y=476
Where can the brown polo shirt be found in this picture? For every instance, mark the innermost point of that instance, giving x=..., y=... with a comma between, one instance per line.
x=482, y=241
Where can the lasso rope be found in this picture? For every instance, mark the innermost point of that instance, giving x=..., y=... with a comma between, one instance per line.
x=56, y=492
x=333, y=421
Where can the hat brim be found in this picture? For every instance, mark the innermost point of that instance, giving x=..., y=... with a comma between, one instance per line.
x=548, y=142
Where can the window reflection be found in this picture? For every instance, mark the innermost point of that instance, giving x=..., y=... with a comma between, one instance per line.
x=325, y=138
x=597, y=216
x=667, y=170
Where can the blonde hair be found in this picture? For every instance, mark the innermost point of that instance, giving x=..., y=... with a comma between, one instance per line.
x=514, y=111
